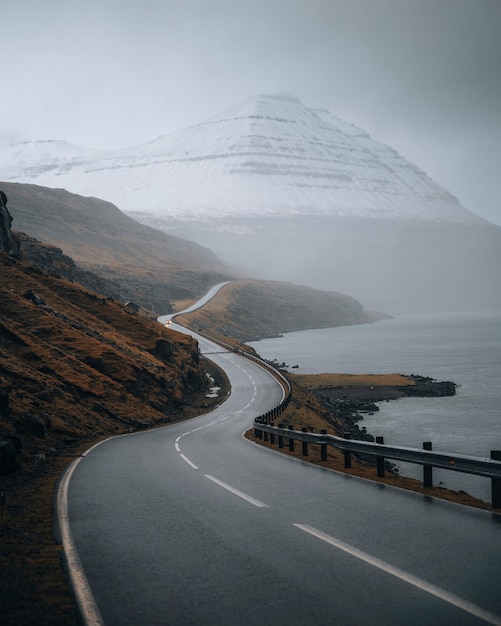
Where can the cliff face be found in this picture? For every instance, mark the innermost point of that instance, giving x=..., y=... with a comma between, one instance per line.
x=53, y=261
x=8, y=243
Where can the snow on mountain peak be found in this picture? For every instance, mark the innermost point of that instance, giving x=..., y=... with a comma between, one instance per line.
x=269, y=155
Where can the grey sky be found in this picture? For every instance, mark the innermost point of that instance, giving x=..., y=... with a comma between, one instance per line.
x=423, y=76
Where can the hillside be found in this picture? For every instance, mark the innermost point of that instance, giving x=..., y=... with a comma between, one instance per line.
x=75, y=367
x=249, y=310
x=92, y=243
x=146, y=265
x=74, y=364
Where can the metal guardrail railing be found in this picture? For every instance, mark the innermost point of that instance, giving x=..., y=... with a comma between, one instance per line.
x=280, y=408
x=263, y=425
x=489, y=468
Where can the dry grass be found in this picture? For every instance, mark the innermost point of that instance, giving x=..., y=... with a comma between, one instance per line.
x=334, y=381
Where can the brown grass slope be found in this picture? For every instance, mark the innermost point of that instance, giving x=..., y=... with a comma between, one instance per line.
x=252, y=309
x=100, y=238
x=82, y=362
x=75, y=367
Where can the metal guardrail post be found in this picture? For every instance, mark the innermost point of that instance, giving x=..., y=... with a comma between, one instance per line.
x=380, y=460
x=323, y=448
x=291, y=440
x=305, y=443
x=427, y=469
x=347, y=453
x=489, y=468
x=496, y=483
x=272, y=435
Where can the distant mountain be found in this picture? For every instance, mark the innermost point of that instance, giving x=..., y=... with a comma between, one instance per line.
x=284, y=192
x=269, y=156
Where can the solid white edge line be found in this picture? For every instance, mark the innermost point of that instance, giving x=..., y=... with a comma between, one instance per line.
x=451, y=598
x=238, y=493
x=188, y=461
x=88, y=607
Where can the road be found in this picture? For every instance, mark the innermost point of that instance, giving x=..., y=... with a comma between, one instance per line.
x=192, y=524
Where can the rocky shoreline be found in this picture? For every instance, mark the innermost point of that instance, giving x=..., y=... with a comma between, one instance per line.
x=349, y=397
x=348, y=405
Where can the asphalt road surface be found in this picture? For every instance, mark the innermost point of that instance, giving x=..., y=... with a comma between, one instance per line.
x=193, y=525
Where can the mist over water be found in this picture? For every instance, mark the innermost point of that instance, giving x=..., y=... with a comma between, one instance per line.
x=396, y=266
x=462, y=347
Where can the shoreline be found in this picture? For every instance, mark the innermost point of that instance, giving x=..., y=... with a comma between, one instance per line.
x=349, y=396
x=314, y=410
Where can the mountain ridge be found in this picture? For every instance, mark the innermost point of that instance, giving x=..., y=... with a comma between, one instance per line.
x=269, y=155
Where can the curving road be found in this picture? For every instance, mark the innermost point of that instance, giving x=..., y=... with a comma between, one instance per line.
x=192, y=524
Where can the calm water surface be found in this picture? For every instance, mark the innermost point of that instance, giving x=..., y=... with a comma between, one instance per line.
x=462, y=347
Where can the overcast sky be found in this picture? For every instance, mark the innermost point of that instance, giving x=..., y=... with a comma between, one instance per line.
x=423, y=76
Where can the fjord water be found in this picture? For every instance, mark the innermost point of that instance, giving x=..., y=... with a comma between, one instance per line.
x=462, y=347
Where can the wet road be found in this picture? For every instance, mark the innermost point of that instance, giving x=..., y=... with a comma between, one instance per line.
x=192, y=524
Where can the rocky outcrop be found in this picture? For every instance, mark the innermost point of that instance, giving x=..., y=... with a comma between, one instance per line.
x=8, y=242
x=350, y=404
x=53, y=261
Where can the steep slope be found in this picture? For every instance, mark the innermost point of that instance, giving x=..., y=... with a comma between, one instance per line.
x=146, y=265
x=74, y=364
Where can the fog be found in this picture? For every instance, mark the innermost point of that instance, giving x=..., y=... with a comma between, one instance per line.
x=419, y=75
x=396, y=267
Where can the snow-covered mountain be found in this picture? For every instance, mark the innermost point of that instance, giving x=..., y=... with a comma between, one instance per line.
x=269, y=156
x=280, y=191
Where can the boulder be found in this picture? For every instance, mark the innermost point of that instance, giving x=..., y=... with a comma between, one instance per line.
x=163, y=349
x=33, y=426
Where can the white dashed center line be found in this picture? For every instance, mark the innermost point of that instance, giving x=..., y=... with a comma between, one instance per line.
x=238, y=493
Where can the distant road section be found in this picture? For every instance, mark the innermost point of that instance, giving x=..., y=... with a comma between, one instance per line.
x=208, y=296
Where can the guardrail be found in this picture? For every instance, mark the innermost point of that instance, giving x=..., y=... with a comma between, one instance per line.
x=280, y=408
x=425, y=456
x=489, y=468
